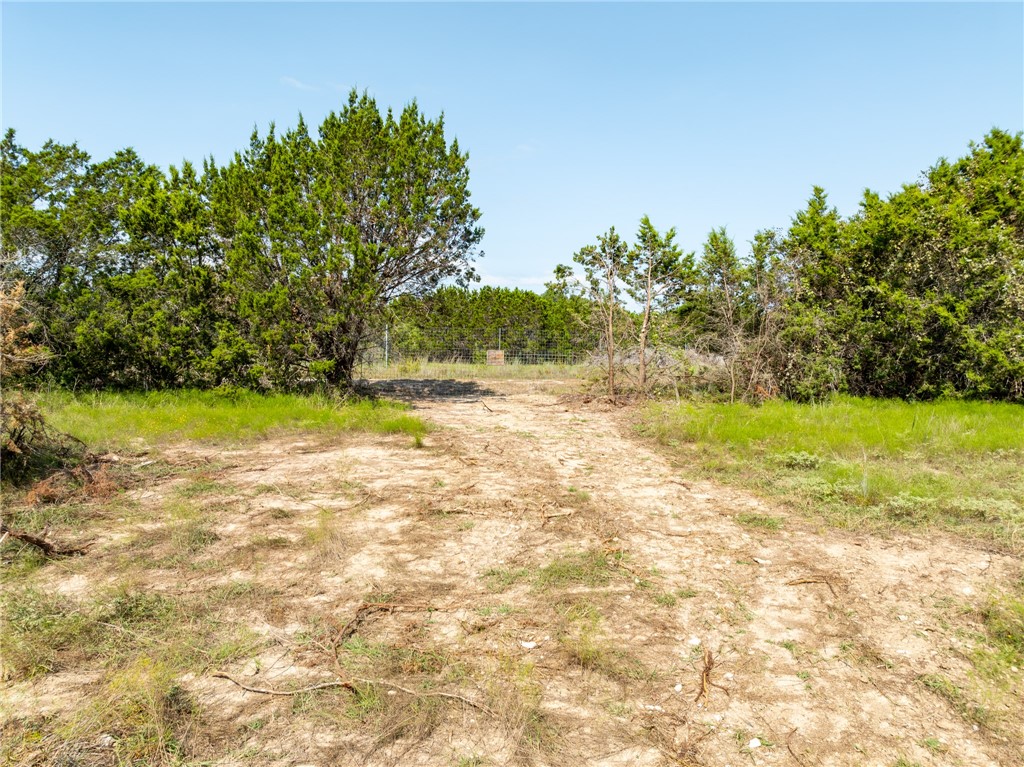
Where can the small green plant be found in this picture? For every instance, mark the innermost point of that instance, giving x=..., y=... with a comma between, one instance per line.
x=500, y=578
x=935, y=745
x=799, y=459
x=759, y=521
x=589, y=568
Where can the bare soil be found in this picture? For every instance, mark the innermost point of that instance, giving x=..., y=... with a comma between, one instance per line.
x=538, y=585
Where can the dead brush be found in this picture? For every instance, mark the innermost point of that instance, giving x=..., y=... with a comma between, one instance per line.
x=81, y=482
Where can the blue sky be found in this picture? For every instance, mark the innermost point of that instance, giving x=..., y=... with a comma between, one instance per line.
x=577, y=116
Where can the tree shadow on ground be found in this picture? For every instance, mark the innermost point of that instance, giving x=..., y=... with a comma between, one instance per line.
x=427, y=389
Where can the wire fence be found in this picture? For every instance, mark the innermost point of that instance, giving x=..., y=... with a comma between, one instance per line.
x=395, y=351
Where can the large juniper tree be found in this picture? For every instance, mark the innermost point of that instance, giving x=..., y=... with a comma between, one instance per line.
x=320, y=233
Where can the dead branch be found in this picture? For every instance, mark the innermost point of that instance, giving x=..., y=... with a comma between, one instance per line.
x=263, y=691
x=801, y=581
x=42, y=544
x=350, y=685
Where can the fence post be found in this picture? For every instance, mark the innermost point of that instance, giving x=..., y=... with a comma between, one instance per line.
x=499, y=339
x=386, y=346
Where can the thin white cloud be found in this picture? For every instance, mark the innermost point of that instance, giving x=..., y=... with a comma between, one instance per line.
x=298, y=84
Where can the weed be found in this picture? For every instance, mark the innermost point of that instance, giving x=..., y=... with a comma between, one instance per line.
x=40, y=630
x=935, y=745
x=500, y=579
x=588, y=568
x=956, y=698
x=191, y=537
x=761, y=521
x=904, y=762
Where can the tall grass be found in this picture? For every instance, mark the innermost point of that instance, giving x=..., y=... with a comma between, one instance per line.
x=865, y=462
x=106, y=420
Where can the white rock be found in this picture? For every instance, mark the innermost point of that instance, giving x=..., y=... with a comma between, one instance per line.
x=902, y=617
x=694, y=641
x=679, y=688
x=106, y=741
x=528, y=645
x=754, y=743
x=968, y=591
x=762, y=561
x=727, y=675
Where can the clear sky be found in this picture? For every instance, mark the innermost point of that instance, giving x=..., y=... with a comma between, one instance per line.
x=577, y=116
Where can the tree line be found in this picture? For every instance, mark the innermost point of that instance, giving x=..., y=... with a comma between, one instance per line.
x=266, y=272
x=272, y=270
x=917, y=295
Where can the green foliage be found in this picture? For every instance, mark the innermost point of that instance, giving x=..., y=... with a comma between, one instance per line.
x=321, y=234
x=456, y=324
x=920, y=295
x=268, y=272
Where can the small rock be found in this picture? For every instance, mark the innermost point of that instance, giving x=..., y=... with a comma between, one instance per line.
x=968, y=591
x=902, y=617
x=392, y=692
x=106, y=741
x=694, y=641
x=762, y=561
x=679, y=688
x=754, y=743
x=528, y=645
x=727, y=675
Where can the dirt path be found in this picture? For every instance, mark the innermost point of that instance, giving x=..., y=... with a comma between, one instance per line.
x=592, y=605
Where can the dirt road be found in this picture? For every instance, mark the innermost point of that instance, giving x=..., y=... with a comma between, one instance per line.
x=584, y=603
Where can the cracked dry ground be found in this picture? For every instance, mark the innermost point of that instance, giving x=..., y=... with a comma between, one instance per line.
x=588, y=603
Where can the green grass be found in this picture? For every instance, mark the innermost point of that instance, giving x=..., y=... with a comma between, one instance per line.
x=107, y=420
x=864, y=463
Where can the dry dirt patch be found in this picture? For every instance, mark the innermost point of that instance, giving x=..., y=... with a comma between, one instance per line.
x=536, y=585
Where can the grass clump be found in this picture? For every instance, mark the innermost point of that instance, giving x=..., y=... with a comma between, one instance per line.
x=108, y=420
x=587, y=568
x=760, y=521
x=957, y=698
x=875, y=464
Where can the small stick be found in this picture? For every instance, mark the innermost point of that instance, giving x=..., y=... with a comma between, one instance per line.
x=560, y=514
x=800, y=581
x=790, y=748
x=705, y=676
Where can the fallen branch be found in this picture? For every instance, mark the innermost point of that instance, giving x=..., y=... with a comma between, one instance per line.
x=349, y=685
x=368, y=608
x=264, y=691
x=801, y=581
x=42, y=544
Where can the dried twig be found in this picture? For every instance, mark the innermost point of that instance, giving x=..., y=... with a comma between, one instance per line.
x=705, y=676
x=790, y=748
x=800, y=581
x=264, y=691
x=349, y=685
